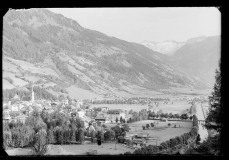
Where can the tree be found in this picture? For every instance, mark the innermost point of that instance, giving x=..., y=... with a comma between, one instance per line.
x=72, y=134
x=166, y=115
x=107, y=135
x=143, y=127
x=116, y=119
x=164, y=145
x=152, y=125
x=130, y=120
x=198, y=139
x=40, y=145
x=59, y=135
x=117, y=131
x=50, y=136
x=195, y=120
x=184, y=116
x=35, y=121
x=7, y=137
x=214, y=117
x=177, y=116
x=172, y=142
x=147, y=126
x=152, y=149
x=126, y=127
x=124, y=121
x=81, y=135
x=120, y=119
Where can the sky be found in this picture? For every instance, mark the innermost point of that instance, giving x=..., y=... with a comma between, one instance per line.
x=151, y=24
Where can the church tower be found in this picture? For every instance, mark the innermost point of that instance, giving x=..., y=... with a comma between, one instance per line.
x=32, y=95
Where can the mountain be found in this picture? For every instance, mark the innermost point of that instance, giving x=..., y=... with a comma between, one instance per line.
x=199, y=58
x=64, y=58
x=165, y=47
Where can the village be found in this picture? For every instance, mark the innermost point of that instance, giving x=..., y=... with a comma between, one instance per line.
x=149, y=126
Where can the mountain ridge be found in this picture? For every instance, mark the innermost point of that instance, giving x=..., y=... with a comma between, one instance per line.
x=40, y=45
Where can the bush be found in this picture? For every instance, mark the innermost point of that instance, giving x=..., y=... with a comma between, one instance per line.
x=147, y=126
x=143, y=127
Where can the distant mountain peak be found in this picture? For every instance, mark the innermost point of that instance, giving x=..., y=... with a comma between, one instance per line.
x=167, y=47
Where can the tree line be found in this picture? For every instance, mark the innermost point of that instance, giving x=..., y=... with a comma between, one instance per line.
x=42, y=128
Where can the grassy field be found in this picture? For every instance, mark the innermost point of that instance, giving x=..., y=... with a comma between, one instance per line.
x=161, y=132
x=104, y=149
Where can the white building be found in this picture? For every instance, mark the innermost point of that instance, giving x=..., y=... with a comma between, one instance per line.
x=14, y=108
x=116, y=113
x=104, y=109
x=81, y=114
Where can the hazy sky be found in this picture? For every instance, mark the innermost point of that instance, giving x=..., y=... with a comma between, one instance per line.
x=152, y=24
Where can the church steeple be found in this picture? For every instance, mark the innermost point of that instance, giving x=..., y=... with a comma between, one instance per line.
x=32, y=94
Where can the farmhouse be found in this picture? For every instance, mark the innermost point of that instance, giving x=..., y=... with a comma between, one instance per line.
x=116, y=113
x=100, y=118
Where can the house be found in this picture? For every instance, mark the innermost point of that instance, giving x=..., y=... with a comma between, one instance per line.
x=104, y=109
x=100, y=118
x=65, y=101
x=79, y=104
x=116, y=113
x=142, y=135
x=20, y=118
x=163, y=120
x=6, y=117
x=14, y=108
x=79, y=114
x=89, y=112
